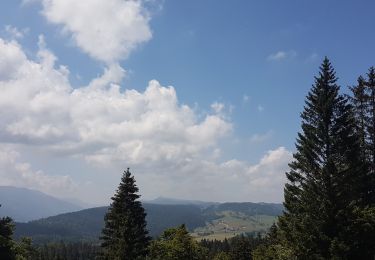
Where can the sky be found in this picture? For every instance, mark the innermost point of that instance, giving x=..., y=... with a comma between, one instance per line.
x=201, y=99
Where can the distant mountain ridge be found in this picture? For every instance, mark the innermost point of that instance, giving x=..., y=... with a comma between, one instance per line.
x=249, y=208
x=25, y=204
x=55, y=219
x=172, y=201
x=86, y=225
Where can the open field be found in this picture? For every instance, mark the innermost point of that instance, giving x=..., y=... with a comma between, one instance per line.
x=232, y=223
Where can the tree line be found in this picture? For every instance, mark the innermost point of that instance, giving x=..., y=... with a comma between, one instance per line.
x=329, y=197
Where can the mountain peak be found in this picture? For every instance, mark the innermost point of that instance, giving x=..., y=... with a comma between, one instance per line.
x=23, y=204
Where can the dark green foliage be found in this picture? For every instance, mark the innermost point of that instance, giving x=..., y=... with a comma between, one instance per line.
x=360, y=104
x=68, y=251
x=124, y=235
x=6, y=241
x=10, y=249
x=370, y=126
x=328, y=181
x=216, y=246
x=236, y=248
x=272, y=247
x=25, y=250
x=221, y=256
x=241, y=247
x=176, y=244
x=363, y=100
x=273, y=252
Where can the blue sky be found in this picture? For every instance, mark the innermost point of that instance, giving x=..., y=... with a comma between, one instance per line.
x=224, y=130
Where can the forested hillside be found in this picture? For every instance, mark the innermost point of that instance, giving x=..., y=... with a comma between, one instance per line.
x=86, y=225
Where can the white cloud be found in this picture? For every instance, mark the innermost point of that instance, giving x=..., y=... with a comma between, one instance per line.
x=282, y=55
x=217, y=107
x=228, y=181
x=98, y=122
x=106, y=30
x=170, y=147
x=13, y=172
x=11, y=58
x=245, y=98
x=14, y=32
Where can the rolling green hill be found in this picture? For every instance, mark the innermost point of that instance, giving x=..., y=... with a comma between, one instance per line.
x=230, y=219
x=215, y=221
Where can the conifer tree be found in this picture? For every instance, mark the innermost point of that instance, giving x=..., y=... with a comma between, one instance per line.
x=324, y=196
x=124, y=235
x=359, y=101
x=6, y=241
x=363, y=100
x=370, y=86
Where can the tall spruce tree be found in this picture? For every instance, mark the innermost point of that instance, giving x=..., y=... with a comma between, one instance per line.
x=359, y=100
x=370, y=87
x=125, y=235
x=363, y=100
x=327, y=179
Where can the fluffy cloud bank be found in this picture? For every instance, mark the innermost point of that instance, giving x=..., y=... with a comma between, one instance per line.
x=106, y=30
x=98, y=121
x=172, y=148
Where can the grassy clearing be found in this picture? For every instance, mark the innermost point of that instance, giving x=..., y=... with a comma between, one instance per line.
x=230, y=224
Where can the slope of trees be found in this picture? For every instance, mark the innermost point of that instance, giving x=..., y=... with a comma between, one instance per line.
x=236, y=248
x=124, y=235
x=68, y=251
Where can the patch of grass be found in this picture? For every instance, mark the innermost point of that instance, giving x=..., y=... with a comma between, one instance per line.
x=230, y=224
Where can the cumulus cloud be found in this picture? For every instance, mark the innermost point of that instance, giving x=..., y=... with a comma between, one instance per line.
x=106, y=30
x=14, y=172
x=171, y=147
x=231, y=180
x=98, y=122
x=282, y=55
